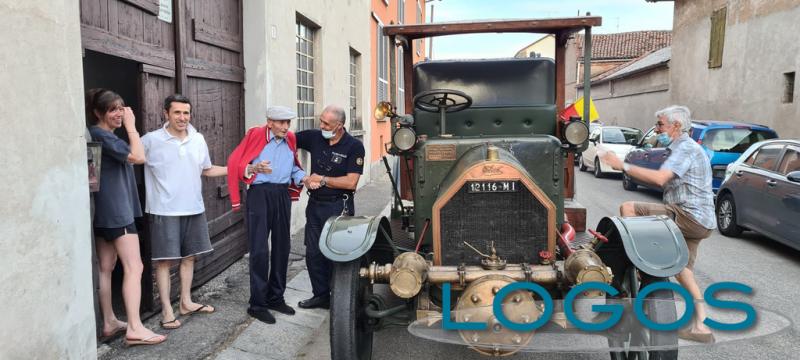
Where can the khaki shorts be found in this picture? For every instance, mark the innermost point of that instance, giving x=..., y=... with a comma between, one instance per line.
x=692, y=231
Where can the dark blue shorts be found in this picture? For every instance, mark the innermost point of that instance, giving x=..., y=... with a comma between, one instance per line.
x=111, y=234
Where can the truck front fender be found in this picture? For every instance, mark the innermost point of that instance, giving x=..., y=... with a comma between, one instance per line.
x=346, y=238
x=654, y=244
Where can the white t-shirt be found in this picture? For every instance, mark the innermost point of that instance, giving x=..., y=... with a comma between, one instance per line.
x=172, y=172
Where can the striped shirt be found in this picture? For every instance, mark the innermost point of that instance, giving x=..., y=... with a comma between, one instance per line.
x=690, y=188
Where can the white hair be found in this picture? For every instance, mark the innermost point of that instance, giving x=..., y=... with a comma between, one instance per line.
x=677, y=114
x=337, y=112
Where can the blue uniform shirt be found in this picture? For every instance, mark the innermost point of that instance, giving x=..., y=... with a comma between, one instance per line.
x=346, y=156
x=281, y=160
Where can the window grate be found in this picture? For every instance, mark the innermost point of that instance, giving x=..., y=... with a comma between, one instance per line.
x=305, y=77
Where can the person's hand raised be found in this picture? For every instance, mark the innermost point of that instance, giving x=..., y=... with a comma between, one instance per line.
x=610, y=157
x=128, y=119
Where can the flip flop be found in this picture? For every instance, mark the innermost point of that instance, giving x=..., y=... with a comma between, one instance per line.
x=205, y=309
x=146, y=341
x=171, y=325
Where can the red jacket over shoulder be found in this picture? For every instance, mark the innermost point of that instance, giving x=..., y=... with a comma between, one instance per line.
x=249, y=149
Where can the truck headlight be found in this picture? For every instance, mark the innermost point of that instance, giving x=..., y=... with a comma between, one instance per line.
x=576, y=133
x=404, y=138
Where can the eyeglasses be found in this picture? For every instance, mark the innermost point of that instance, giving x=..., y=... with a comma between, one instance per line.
x=660, y=124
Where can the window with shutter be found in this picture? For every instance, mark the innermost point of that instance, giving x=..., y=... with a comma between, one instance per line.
x=355, y=91
x=382, y=65
x=717, y=41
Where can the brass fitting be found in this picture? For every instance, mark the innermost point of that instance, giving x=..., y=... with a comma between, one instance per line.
x=375, y=272
x=585, y=266
x=492, y=153
x=409, y=272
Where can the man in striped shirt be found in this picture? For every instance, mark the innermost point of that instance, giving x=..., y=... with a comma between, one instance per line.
x=688, y=199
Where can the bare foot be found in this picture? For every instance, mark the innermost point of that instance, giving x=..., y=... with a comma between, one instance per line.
x=111, y=329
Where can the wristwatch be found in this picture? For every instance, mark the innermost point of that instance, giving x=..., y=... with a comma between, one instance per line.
x=323, y=182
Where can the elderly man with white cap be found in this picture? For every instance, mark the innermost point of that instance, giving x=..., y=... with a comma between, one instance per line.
x=266, y=159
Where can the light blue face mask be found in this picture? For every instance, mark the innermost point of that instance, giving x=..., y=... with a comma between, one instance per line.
x=327, y=134
x=664, y=139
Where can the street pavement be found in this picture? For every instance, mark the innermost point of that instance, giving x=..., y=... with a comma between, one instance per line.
x=773, y=270
x=229, y=332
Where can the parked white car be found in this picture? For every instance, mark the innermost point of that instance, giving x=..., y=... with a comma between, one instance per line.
x=618, y=139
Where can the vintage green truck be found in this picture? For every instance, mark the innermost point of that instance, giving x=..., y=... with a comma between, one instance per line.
x=485, y=172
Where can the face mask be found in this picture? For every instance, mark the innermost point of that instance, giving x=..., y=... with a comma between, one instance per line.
x=327, y=134
x=664, y=139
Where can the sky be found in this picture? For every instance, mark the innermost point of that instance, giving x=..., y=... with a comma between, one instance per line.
x=618, y=16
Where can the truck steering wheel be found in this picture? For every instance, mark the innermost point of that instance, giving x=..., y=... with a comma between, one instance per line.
x=442, y=100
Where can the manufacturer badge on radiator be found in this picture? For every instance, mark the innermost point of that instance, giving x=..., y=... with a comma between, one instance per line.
x=492, y=170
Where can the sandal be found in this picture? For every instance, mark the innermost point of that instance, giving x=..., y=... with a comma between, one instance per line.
x=171, y=325
x=205, y=309
x=152, y=340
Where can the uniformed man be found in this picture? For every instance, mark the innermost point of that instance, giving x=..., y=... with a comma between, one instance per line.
x=337, y=161
x=267, y=160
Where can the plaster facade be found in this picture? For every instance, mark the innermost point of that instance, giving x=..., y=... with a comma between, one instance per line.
x=46, y=277
x=544, y=47
x=632, y=101
x=760, y=46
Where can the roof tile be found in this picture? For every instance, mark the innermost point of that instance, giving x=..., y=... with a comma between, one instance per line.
x=626, y=45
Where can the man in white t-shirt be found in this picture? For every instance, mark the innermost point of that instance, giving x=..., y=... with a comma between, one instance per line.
x=177, y=156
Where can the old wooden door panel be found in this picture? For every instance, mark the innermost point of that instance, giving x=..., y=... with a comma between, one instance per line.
x=214, y=77
x=121, y=29
x=213, y=40
x=221, y=21
x=155, y=87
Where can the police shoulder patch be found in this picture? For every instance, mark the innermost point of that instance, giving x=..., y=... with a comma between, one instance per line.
x=359, y=161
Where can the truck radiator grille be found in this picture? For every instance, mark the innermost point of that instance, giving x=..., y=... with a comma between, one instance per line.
x=515, y=221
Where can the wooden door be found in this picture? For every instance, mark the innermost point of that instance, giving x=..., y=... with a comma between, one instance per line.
x=212, y=75
x=197, y=51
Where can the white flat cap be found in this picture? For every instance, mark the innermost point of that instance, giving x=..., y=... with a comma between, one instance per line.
x=280, y=113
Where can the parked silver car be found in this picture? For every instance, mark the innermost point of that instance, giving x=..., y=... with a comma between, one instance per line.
x=761, y=192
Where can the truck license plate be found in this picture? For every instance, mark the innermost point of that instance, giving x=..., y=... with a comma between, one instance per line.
x=474, y=187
